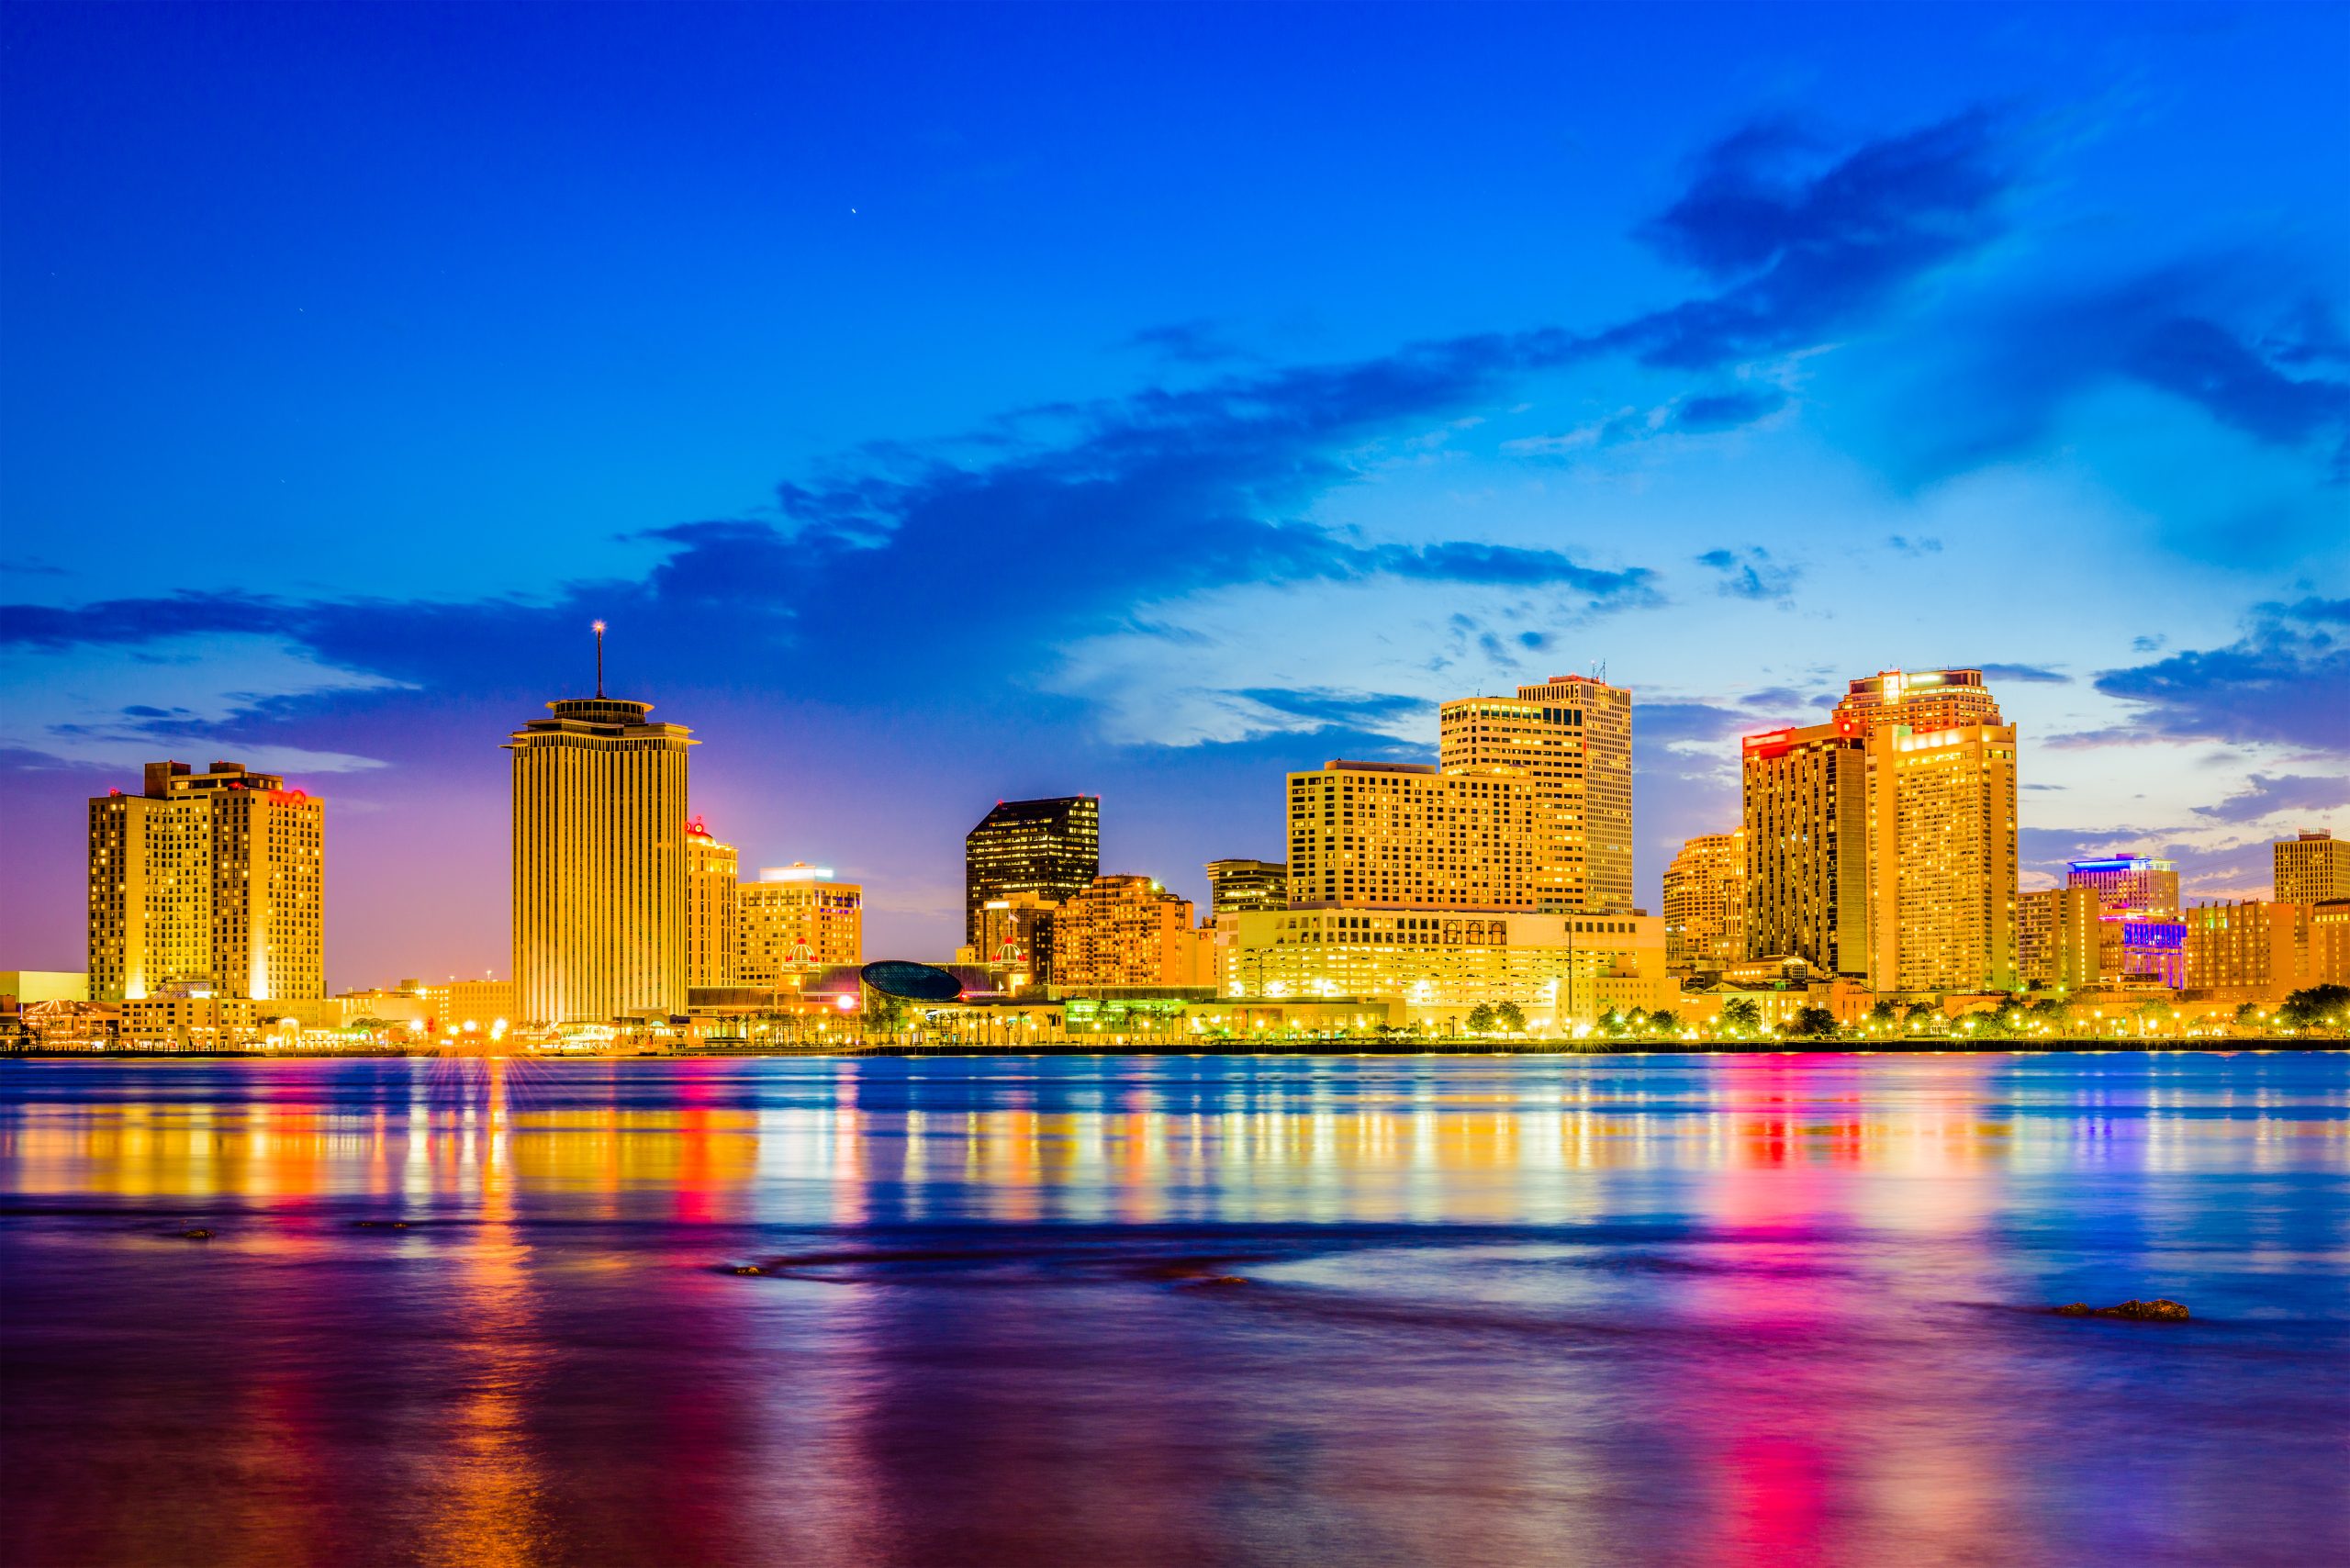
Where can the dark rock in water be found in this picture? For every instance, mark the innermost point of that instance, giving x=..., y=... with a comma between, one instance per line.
x=198, y=1233
x=2155, y=1311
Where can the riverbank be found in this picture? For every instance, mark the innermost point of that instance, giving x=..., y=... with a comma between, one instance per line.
x=1462, y=1048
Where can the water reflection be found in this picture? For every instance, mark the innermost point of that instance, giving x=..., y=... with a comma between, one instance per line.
x=1700, y=1310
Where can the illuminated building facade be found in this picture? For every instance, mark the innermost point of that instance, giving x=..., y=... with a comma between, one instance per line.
x=1572, y=737
x=1050, y=847
x=1560, y=969
x=1404, y=835
x=1124, y=931
x=189, y=1017
x=2250, y=951
x=2310, y=867
x=713, y=869
x=2142, y=936
x=1016, y=932
x=2058, y=938
x=1807, y=846
x=1923, y=700
x=793, y=919
x=1941, y=820
x=2329, y=942
x=1704, y=903
x=214, y=879
x=1235, y=885
x=599, y=863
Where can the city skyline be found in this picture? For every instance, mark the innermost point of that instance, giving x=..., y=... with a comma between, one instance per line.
x=921, y=456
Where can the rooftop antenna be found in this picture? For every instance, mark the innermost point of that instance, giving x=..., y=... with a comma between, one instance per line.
x=1598, y=673
x=599, y=659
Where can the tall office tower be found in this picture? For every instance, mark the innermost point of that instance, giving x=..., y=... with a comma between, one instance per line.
x=217, y=877
x=796, y=918
x=1403, y=835
x=1124, y=931
x=1923, y=700
x=1807, y=846
x=1235, y=885
x=2310, y=868
x=711, y=903
x=1049, y=847
x=1571, y=736
x=1704, y=903
x=1942, y=824
x=599, y=861
x=2057, y=938
x=2140, y=933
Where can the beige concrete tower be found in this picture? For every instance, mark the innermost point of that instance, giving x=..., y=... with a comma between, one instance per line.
x=711, y=901
x=2310, y=868
x=1572, y=737
x=1942, y=823
x=1705, y=901
x=599, y=861
x=212, y=880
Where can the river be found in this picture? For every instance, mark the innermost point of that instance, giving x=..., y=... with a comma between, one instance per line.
x=1104, y=1311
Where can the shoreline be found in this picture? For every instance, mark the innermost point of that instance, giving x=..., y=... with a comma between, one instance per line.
x=1261, y=1049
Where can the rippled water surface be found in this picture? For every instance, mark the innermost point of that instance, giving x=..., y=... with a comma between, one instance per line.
x=1108, y=1311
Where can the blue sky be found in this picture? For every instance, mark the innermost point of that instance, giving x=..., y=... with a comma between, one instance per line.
x=948, y=405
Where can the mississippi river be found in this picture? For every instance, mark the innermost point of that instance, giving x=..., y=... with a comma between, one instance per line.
x=1106, y=1311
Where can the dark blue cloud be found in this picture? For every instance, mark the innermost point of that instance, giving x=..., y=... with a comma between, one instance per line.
x=1909, y=546
x=1807, y=245
x=2282, y=681
x=1752, y=573
x=2029, y=675
x=1724, y=410
x=1187, y=343
x=2282, y=793
x=2166, y=330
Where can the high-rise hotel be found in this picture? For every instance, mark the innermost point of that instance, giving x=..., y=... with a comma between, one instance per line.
x=600, y=859
x=1881, y=844
x=1529, y=808
x=213, y=881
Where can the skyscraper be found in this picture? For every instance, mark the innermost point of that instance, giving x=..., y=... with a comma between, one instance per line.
x=1124, y=931
x=1942, y=824
x=215, y=879
x=1705, y=901
x=599, y=861
x=1923, y=699
x=1807, y=846
x=1572, y=737
x=2310, y=867
x=1403, y=835
x=712, y=873
x=1052, y=847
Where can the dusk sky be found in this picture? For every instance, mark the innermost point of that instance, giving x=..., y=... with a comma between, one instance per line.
x=943, y=406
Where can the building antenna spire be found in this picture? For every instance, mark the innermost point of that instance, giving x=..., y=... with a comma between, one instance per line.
x=599, y=658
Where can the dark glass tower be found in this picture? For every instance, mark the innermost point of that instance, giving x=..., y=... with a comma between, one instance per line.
x=1048, y=848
